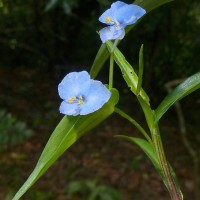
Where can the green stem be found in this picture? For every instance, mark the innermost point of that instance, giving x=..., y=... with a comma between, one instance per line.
x=171, y=186
x=174, y=191
x=112, y=64
x=131, y=120
x=111, y=70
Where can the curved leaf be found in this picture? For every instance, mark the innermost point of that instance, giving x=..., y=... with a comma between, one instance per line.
x=188, y=86
x=68, y=131
x=141, y=69
x=151, y=4
x=151, y=153
x=147, y=148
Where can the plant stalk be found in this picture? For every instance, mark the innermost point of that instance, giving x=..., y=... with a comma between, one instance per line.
x=169, y=180
x=111, y=70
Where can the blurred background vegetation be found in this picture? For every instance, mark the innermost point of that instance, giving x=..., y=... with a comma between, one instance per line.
x=41, y=41
x=57, y=33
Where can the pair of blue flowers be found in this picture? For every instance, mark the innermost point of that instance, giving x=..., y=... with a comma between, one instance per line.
x=117, y=18
x=81, y=95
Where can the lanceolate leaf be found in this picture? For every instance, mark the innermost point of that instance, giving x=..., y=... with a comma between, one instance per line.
x=141, y=66
x=103, y=53
x=148, y=112
x=68, y=131
x=151, y=4
x=147, y=148
x=188, y=86
x=128, y=72
x=151, y=153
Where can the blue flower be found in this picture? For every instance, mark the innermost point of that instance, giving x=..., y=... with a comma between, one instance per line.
x=81, y=95
x=117, y=18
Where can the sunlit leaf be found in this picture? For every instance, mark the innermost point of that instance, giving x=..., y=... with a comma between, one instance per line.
x=68, y=131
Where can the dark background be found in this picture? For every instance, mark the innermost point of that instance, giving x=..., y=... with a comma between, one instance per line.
x=40, y=42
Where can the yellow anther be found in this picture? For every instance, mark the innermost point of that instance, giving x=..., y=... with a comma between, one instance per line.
x=117, y=23
x=79, y=100
x=108, y=19
x=72, y=99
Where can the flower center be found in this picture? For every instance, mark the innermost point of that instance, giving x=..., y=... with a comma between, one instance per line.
x=108, y=19
x=79, y=100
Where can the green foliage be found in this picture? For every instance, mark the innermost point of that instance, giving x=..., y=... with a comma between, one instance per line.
x=12, y=131
x=174, y=45
x=68, y=131
x=141, y=68
x=32, y=195
x=103, y=52
x=188, y=86
x=71, y=128
x=34, y=38
x=148, y=149
x=127, y=71
x=90, y=190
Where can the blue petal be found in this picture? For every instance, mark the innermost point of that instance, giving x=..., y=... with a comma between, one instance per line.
x=97, y=96
x=117, y=5
x=108, y=13
x=129, y=14
x=122, y=13
x=111, y=13
x=69, y=109
x=111, y=33
x=73, y=84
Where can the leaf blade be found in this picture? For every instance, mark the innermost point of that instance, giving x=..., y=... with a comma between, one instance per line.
x=128, y=72
x=68, y=131
x=147, y=148
x=185, y=88
x=141, y=67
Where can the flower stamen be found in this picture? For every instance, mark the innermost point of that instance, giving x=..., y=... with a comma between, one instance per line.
x=108, y=19
x=79, y=100
x=72, y=99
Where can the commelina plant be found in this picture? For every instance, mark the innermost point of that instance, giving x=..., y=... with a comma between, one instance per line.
x=87, y=102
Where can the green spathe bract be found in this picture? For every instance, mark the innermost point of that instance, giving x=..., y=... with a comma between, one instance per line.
x=68, y=131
